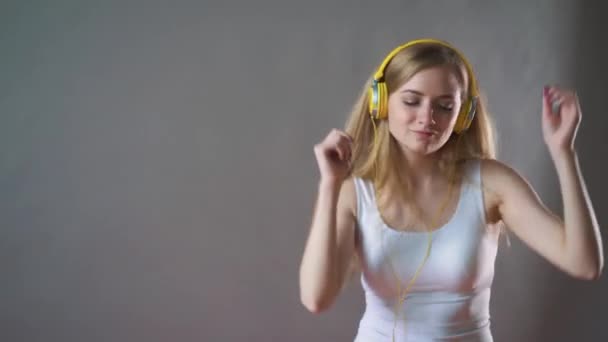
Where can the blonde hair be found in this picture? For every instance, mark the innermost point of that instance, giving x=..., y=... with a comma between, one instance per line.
x=378, y=158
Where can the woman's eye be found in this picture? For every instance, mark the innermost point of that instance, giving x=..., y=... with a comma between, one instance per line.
x=410, y=102
x=446, y=107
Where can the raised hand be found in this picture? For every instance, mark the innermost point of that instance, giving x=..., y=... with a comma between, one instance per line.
x=561, y=118
x=333, y=156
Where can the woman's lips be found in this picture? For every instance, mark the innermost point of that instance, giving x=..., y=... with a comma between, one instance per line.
x=424, y=134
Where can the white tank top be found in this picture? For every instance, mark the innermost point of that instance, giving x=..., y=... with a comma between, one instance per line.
x=450, y=298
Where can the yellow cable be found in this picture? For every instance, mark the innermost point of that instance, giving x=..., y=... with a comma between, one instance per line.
x=401, y=297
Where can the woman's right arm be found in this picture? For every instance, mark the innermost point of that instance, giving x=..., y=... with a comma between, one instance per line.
x=331, y=240
x=330, y=245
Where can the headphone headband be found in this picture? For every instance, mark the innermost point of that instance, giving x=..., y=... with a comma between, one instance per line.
x=379, y=74
x=378, y=92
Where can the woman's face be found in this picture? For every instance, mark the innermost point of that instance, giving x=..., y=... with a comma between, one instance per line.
x=423, y=111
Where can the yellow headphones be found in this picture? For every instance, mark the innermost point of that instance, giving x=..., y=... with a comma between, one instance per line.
x=378, y=92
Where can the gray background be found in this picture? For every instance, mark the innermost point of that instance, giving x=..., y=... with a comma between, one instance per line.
x=156, y=165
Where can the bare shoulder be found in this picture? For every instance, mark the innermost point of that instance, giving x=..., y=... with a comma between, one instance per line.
x=505, y=187
x=499, y=180
x=498, y=175
x=347, y=201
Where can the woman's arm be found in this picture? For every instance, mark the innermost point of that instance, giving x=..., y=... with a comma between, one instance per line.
x=329, y=247
x=573, y=244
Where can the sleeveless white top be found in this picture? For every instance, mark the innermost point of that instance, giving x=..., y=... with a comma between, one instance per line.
x=450, y=298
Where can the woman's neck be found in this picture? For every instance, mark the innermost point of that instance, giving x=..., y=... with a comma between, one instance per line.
x=422, y=170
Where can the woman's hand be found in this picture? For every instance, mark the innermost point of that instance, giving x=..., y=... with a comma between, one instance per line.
x=333, y=156
x=561, y=118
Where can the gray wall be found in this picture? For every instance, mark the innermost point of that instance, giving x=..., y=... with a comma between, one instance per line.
x=156, y=165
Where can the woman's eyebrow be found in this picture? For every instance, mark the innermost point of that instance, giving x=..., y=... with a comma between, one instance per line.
x=422, y=94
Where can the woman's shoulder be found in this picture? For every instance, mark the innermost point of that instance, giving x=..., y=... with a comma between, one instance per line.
x=496, y=170
x=490, y=171
x=500, y=177
x=348, y=195
x=355, y=191
x=487, y=166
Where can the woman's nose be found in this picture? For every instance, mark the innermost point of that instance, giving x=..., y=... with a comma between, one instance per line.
x=426, y=115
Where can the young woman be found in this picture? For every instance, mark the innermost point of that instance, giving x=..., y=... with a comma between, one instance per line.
x=413, y=192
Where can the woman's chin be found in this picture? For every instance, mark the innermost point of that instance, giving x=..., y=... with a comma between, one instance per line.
x=421, y=149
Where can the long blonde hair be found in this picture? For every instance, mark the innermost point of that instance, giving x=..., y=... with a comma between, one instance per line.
x=379, y=158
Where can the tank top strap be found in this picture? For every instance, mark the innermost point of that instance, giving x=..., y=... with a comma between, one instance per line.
x=365, y=196
x=473, y=186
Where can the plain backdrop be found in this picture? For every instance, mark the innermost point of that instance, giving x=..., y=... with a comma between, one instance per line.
x=157, y=174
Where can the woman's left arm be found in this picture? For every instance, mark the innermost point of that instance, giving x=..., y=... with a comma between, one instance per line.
x=573, y=244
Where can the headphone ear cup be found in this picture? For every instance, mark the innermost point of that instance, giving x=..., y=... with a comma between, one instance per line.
x=372, y=96
x=466, y=115
x=377, y=95
x=382, y=101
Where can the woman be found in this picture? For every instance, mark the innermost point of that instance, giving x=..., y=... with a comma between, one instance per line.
x=413, y=192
